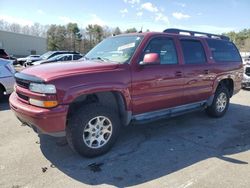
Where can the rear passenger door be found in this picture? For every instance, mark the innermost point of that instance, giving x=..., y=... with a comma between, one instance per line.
x=197, y=71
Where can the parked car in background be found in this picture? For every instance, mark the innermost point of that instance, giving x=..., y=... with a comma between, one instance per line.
x=137, y=77
x=49, y=55
x=6, y=77
x=3, y=54
x=61, y=57
x=246, y=76
x=22, y=60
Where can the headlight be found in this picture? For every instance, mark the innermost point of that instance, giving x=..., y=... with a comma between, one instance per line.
x=42, y=88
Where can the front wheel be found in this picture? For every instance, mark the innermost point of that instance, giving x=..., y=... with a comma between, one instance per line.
x=220, y=103
x=92, y=130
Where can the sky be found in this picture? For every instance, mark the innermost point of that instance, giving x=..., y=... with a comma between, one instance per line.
x=207, y=16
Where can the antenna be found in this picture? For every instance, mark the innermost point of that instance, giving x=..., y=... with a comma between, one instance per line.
x=140, y=30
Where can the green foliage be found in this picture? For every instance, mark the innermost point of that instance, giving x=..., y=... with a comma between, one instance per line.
x=241, y=39
x=71, y=37
x=131, y=30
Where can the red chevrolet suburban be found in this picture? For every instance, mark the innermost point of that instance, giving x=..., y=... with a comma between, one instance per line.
x=128, y=78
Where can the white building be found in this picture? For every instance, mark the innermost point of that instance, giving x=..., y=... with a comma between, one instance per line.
x=19, y=45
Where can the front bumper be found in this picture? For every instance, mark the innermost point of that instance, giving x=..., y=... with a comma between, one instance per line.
x=46, y=121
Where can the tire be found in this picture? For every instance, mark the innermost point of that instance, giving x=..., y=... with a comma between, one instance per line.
x=92, y=130
x=220, y=103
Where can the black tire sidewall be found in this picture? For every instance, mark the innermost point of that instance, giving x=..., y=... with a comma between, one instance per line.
x=80, y=119
x=212, y=110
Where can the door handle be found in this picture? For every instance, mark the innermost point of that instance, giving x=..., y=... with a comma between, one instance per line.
x=178, y=74
x=206, y=71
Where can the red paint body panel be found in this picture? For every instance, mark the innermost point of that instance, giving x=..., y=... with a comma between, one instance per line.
x=144, y=88
x=46, y=120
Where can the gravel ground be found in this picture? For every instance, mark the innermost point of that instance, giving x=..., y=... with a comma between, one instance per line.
x=192, y=150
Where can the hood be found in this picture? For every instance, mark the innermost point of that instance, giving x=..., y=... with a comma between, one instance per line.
x=55, y=70
x=5, y=61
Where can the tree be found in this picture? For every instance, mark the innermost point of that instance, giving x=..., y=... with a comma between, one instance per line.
x=131, y=30
x=117, y=31
x=51, y=38
x=74, y=34
x=15, y=28
x=95, y=34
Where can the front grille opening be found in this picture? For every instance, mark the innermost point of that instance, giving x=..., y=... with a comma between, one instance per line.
x=23, y=83
x=23, y=97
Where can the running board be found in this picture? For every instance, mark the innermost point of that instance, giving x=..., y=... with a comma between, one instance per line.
x=169, y=112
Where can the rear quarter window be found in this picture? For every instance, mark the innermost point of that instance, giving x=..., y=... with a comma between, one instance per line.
x=223, y=51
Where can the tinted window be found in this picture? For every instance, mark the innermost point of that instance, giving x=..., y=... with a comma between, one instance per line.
x=76, y=57
x=165, y=48
x=193, y=52
x=223, y=50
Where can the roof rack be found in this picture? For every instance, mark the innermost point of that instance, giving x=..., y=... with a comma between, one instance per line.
x=196, y=33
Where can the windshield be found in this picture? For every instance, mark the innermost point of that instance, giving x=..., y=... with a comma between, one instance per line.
x=119, y=49
x=46, y=55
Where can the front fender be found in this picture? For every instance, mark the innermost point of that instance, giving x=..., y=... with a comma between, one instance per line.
x=78, y=91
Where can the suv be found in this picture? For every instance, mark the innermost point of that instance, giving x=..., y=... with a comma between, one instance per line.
x=128, y=78
x=246, y=77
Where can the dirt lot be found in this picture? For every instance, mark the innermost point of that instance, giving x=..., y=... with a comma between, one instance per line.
x=188, y=151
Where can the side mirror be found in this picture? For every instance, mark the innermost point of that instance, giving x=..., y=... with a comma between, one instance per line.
x=151, y=58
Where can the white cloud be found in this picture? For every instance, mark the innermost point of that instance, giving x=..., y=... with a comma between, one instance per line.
x=149, y=7
x=181, y=4
x=66, y=20
x=132, y=2
x=161, y=17
x=41, y=12
x=199, y=13
x=20, y=21
x=180, y=16
x=139, y=14
x=124, y=11
x=96, y=20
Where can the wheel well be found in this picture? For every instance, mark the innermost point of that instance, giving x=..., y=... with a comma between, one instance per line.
x=114, y=100
x=229, y=84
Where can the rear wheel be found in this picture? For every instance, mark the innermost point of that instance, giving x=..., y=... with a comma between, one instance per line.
x=92, y=130
x=220, y=103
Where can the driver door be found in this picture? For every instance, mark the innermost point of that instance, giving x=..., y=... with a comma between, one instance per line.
x=158, y=86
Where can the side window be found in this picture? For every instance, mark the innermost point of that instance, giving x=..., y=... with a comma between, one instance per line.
x=165, y=48
x=193, y=52
x=76, y=57
x=223, y=50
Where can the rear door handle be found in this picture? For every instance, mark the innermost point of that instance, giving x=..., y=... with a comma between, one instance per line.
x=178, y=74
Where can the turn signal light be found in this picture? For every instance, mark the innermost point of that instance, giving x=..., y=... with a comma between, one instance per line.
x=45, y=104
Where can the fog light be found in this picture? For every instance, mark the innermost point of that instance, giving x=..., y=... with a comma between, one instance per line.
x=45, y=104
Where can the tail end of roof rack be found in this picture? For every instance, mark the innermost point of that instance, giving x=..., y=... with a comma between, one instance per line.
x=196, y=34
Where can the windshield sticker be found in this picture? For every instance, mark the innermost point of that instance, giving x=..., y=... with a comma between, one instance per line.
x=130, y=45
